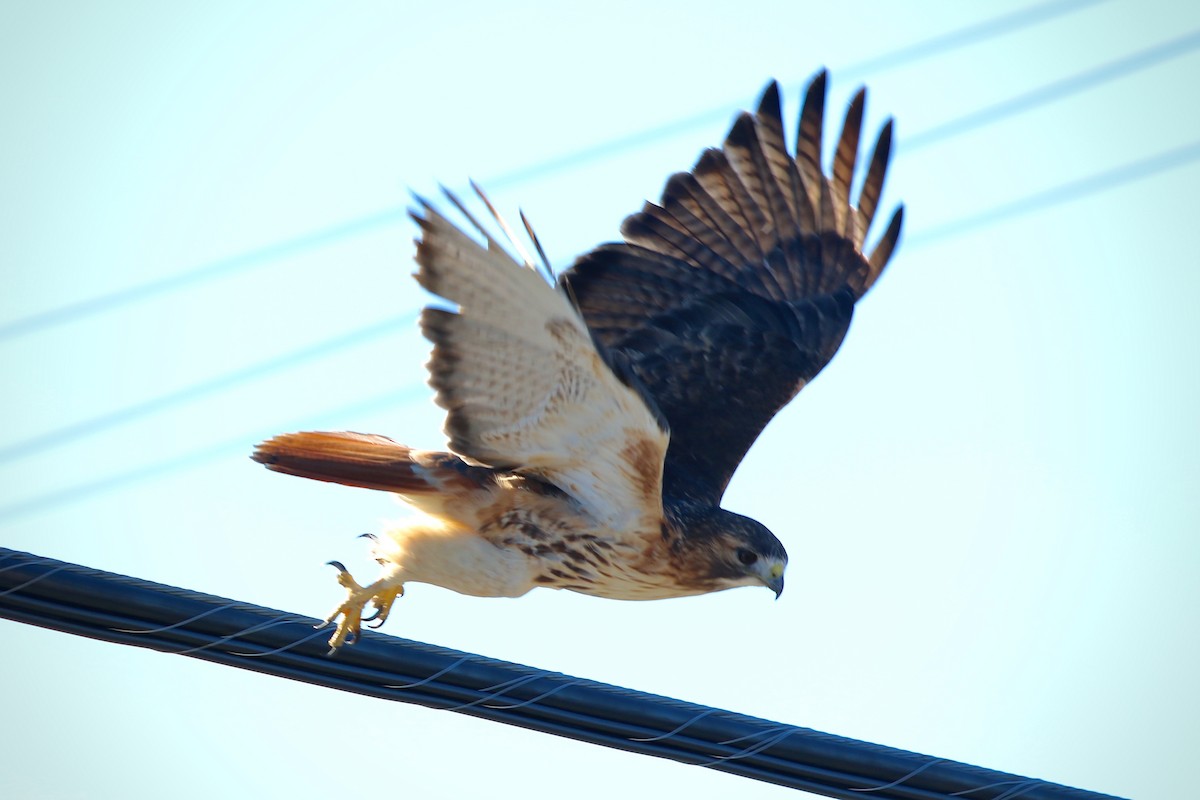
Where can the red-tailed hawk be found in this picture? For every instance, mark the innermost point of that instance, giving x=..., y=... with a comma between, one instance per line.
x=595, y=422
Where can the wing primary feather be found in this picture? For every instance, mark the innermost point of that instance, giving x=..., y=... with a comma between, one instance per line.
x=827, y=218
x=808, y=139
x=744, y=153
x=504, y=226
x=883, y=250
x=476, y=224
x=736, y=247
x=806, y=215
x=872, y=187
x=703, y=246
x=656, y=230
x=846, y=155
x=537, y=244
x=781, y=179
x=425, y=205
x=682, y=190
x=715, y=175
x=748, y=155
x=684, y=201
x=778, y=162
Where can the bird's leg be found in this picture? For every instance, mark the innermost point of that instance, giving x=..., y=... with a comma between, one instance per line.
x=382, y=601
x=382, y=593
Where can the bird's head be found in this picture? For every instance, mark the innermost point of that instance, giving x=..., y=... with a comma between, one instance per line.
x=738, y=551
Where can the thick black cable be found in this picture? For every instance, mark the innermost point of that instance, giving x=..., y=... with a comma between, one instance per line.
x=962, y=37
x=101, y=605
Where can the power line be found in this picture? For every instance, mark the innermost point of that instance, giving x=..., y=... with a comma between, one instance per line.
x=1057, y=195
x=1048, y=93
x=103, y=484
x=1039, y=96
x=188, y=394
x=937, y=45
x=962, y=37
x=1063, y=193
x=972, y=34
x=101, y=605
x=215, y=269
x=1109, y=71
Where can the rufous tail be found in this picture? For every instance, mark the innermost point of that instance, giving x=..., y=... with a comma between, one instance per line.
x=352, y=459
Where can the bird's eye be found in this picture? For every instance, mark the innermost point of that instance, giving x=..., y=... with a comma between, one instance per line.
x=747, y=557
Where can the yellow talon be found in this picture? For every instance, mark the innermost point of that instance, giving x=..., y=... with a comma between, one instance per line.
x=382, y=594
x=383, y=605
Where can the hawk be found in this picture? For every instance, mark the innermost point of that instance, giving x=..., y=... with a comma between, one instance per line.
x=595, y=420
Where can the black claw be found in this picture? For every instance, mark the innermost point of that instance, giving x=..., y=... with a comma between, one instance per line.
x=377, y=625
x=370, y=536
x=339, y=566
x=375, y=615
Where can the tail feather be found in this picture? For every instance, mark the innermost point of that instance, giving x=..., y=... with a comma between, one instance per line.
x=352, y=459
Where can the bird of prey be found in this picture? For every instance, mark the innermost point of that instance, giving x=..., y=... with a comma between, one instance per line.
x=595, y=420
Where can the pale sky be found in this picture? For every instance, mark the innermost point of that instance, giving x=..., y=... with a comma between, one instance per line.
x=990, y=497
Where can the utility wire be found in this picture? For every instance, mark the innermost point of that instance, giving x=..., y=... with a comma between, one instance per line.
x=101, y=605
x=1039, y=96
x=1057, y=195
x=102, y=484
x=215, y=269
x=1051, y=92
x=980, y=32
x=188, y=394
x=962, y=37
x=937, y=45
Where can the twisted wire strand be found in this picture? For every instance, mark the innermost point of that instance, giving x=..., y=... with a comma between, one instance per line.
x=677, y=729
x=901, y=779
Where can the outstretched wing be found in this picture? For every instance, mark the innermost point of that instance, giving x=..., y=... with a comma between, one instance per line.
x=733, y=292
x=523, y=385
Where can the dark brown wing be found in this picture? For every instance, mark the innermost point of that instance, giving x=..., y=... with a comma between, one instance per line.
x=737, y=289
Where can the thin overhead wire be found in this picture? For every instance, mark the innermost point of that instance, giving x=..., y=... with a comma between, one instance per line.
x=1060, y=194
x=216, y=269
x=101, y=605
x=1041, y=200
x=220, y=383
x=962, y=37
x=992, y=28
x=978, y=33
x=1056, y=90
x=239, y=446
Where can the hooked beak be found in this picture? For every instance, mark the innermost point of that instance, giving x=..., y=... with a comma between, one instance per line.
x=773, y=578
